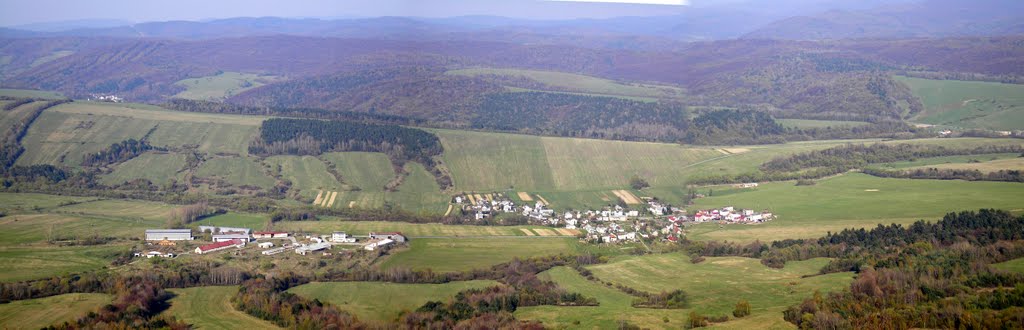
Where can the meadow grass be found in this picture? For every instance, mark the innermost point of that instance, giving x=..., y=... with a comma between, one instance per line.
x=22, y=263
x=209, y=307
x=812, y=123
x=221, y=86
x=1015, y=265
x=580, y=83
x=968, y=104
x=43, y=312
x=11, y=202
x=158, y=168
x=369, y=171
x=418, y=192
x=236, y=170
x=852, y=201
x=1011, y=164
x=64, y=139
x=383, y=301
x=30, y=93
x=245, y=220
x=943, y=160
x=307, y=174
x=461, y=254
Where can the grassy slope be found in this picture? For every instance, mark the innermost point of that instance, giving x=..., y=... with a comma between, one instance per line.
x=582, y=83
x=43, y=312
x=1015, y=265
x=1016, y=163
x=307, y=174
x=210, y=308
x=329, y=225
x=221, y=86
x=30, y=93
x=847, y=201
x=236, y=170
x=383, y=301
x=944, y=160
x=811, y=123
x=419, y=191
x=445, y=254
x=254, y=221
x=158, y=168
x=969, y=104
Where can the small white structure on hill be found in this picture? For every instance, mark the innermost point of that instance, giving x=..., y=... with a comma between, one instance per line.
x=378, y=244
x=342, y=237
x=265, y=245
x=303, y=250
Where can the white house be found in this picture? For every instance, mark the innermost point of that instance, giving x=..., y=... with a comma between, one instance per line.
x=265, y=245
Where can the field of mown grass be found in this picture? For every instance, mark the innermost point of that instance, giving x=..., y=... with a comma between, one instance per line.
x=307, y=174
x=968, y=104
x=418, y=192
x=246, y=220
x=811, y=123
x=24, y=263
x=461, y=254
x=236, y=170
x=1015, y=265
x=158, y=168
x=209, y=307
x=851, y=201
x=43, y=312
x=221, y=86
x=383, y=301
x=580, y=83
x=369, y=171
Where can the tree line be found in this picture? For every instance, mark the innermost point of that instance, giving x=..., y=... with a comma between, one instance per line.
x=118, y=152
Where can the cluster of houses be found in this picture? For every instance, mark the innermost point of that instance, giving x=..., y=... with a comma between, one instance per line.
x=106, y=98
x=731, y=215
x=226, y=238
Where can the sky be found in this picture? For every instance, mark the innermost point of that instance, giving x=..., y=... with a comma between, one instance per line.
x=18, y=12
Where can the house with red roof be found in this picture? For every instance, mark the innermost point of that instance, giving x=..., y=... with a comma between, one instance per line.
x=210, y=248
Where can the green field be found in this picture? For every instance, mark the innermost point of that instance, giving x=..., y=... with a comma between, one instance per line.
x=43, y=312
x=419, y=191
x=307, y=174
x=852, y=201
x=236, y=171
x=811, y=123
x=1012, y=164
x=254, y=221
x=28, y=263
x=209, y=307
x=1015, y=265
x=25, y=201
x=221, y=86
x=368, y=171
x=383, y=301
x=968, y=104
x=944, y=160
x=449, y=255
x=713, y=287
x=580, y=83
x=158, y=168
x=30, y=93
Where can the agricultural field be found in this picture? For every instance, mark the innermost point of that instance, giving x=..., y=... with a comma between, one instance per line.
x=209, y=307
x=383, y=301
x=16, y=115
x=369, y=171
x=328, y=225
x=713, y=286
x=43, y=312
x=10, y=202
x=158, y=168
x=121, y=209
x=968, y=104
x=30, y=262
x=221, y=86
x=419, y=191
x=854, y=201
x=254, y=221
x=811, y=123
x=450, y=255
x=30, y=93
x=236, y=170
x=581, y=83
x=950, y=160
x=1013, y=164
x=307, y=174
x=1015, y=265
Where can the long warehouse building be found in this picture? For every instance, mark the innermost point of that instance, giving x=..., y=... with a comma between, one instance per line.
x=169, y=234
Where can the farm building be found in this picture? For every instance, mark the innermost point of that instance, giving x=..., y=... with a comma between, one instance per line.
x=265, y=245
x=168, y=234
x=395, y=236
x=270, y=234
x=231, y=235
x=378, y=244
x=153, y=254
x=312, y=248
x=220, y=246
x=274, y=251
x=342, y=237
x=216, y=229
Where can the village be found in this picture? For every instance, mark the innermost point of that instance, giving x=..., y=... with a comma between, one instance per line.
x=163, y=242
x=652, y=220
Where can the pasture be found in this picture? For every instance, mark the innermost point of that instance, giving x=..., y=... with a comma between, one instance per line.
x=221, y=86
x=851, y=201
x=254, y=221
x=713, y=287
x=461, y=254
x=30, y=93
x=158, y=168
x=209, y=307
x=928, y=162
x=43, y=312
x=27, y=201
x=1013, y=164
x=24, y=263
x=580, y=83
x=1015, y=265
x=380, y=301
x=236, y=171
x=968, y=104
x=307, y=174
x=812, y=123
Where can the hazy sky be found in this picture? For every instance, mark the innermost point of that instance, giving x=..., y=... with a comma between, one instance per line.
x=16, y=12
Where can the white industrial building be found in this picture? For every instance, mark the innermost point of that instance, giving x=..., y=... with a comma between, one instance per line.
x=169, y=234
x=378, y=244
x=231, y=235
x=303, y=250
x=342, y=237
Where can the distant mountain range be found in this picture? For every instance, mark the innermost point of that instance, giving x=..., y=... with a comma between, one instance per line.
x=787, y=19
